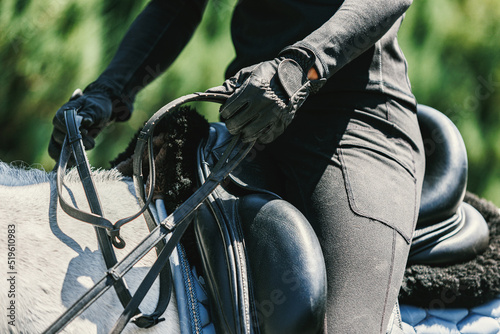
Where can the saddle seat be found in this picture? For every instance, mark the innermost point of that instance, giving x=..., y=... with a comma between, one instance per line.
x=448, y=230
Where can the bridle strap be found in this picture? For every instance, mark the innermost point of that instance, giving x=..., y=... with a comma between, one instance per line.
x=176, y=223
x=73, y=143
x=103, y=227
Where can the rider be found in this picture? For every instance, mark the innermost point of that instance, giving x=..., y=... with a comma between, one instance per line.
x=352, y=160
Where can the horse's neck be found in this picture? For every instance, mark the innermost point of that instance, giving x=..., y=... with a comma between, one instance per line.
x=57, y=257
x=37, y=202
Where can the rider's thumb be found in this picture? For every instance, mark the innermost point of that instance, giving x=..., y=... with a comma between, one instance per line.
x=87, y=121
x=88, y=142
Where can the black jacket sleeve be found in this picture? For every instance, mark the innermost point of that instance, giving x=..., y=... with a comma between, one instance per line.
x=152, y=43
x=355, y=27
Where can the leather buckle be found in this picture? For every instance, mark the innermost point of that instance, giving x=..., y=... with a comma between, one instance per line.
x=146, y=321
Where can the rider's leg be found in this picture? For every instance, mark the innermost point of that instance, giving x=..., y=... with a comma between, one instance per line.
x=358, y=181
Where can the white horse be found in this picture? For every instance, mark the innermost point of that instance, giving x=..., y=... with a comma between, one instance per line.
x=54, y=259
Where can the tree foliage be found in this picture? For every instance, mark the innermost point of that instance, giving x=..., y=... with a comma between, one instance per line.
x=454, y=56
x=50, y=47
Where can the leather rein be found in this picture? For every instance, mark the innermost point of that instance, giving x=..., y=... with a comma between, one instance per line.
x=108, y=234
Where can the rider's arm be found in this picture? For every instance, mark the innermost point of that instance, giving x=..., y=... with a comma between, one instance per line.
x=353, y=29
x=152, y=43
x=265, y=97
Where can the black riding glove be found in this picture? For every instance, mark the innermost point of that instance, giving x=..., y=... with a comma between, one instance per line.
x=265, y=97
x=95, y=106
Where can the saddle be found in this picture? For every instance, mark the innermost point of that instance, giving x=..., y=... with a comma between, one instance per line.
x=262, y=261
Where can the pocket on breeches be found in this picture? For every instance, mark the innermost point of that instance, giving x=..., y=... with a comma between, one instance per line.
x=379, y=176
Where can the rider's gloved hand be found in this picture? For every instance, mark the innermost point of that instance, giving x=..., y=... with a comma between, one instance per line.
x=265, y=97
x=95, y=105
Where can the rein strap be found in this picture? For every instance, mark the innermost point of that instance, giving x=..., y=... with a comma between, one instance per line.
x=175, y=224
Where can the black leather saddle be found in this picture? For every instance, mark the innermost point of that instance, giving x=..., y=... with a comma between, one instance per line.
x=263, y=264
x=448, y=230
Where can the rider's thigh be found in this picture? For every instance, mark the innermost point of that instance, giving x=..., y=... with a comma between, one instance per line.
x=365, y=259
x=360, y=190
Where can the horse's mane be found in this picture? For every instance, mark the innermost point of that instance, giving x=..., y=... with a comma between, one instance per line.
x=175, y=140
x=15, y=174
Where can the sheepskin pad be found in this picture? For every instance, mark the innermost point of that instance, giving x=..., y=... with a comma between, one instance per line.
x=462, y=298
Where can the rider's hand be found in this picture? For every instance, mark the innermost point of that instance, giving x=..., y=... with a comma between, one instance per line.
x=265, y=97
x=95, y=107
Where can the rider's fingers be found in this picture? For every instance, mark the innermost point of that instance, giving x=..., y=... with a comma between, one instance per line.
x=54, y=148
x=59, y=123
x=88, y=142
x=58, y=135
x=87, y=120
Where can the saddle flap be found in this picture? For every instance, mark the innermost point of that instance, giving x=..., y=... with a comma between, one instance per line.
x=263, y=265
x=286, y=265
x=224, y=269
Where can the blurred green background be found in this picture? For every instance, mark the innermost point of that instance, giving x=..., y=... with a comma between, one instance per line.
x=50, y=47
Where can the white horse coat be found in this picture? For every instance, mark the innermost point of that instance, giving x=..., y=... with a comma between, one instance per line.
x=56, y=258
